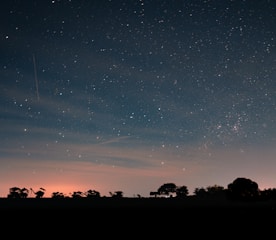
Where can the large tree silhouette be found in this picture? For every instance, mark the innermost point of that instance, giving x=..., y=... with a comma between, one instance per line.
x=243, y=189
x=167, y=189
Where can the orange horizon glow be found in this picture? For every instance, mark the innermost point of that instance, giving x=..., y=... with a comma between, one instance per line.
x=69, y=176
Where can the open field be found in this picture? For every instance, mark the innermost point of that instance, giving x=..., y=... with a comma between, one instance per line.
x=142, y=215
x=125, y=203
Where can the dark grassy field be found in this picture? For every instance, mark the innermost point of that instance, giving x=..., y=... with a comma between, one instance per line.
x=125, y=203
x=141, y=216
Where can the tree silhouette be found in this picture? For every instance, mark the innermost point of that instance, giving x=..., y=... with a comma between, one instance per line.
x=16, y=192
x=167, y=189
x=215, y=191
x=210, y=191
x=92, y=194
x=200, y=192
x=243, y=189
x=268, y=194
x=39, y=193
x=182, y=191
x=24, y=192
x=57, y=195
x=116, y=194
x=77, y=194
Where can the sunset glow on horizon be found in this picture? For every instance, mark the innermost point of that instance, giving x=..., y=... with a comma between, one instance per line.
x=161, y=167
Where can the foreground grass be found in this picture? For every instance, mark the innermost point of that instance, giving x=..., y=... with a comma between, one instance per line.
x=151, y=203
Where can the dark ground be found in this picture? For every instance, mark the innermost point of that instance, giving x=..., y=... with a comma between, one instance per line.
x=186, y=204
x=139, y=217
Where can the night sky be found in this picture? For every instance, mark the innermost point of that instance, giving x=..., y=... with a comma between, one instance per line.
x=117, y=95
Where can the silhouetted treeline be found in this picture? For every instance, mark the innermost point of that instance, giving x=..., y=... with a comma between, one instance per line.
x=240, y=189
x=239, y=196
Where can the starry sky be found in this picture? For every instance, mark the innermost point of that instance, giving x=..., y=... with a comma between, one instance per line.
x=116, y=95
